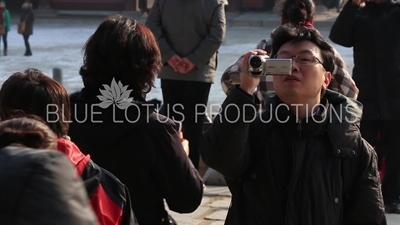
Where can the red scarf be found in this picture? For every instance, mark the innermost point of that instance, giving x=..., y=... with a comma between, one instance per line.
x=304, y=23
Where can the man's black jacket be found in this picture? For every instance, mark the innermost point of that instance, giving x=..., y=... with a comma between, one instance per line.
x=282, y=171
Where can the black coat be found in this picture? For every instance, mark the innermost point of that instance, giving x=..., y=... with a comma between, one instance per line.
x=28, y=16
x=373, y=32
x=41, y=187
x=305, y=172
x=143, y=151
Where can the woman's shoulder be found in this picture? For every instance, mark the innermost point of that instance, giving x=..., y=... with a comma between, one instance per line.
x=25, y=162
x=158, y=120
x=27, y=155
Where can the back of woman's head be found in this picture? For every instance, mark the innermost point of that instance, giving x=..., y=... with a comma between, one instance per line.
x=27, y=132
x=123, y=49
x=297, y=11
x=35, y=93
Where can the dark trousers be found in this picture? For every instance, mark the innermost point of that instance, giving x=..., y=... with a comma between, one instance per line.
x=4, y=37
x=27, y=46
x=186, y=101
x=389, y=147
x=332, y=3
x=143, y=6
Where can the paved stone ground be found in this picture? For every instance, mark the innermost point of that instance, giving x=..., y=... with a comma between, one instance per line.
x=215, y=205
x=212, y=211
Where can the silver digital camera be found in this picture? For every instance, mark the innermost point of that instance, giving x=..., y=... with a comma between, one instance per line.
x=262, y=65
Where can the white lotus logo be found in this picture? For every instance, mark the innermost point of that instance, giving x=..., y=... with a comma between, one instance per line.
x=116, y=94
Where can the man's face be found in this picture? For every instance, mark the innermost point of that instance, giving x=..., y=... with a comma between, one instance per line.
x=308, y=77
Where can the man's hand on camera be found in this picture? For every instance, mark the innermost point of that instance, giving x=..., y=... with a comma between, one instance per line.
x=249, y=83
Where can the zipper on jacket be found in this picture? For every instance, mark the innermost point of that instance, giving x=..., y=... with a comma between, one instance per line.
x=299, y=128
x=290, y=192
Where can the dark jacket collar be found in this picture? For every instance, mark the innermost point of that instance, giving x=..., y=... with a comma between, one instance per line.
x=336, y=110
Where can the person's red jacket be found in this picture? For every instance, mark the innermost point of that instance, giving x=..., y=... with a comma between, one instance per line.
x=109, y=197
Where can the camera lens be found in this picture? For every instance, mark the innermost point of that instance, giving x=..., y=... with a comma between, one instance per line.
x=255, y=62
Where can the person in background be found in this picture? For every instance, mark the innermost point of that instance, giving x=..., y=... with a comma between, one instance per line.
x=2, y=20
x=189, y=57
x=113, y=122
x=335, y=4
x=144, y=9
x=38, y=185
x=6, y=18
x=299, y=13
x=371, y=28
x=28, y=17
x=32, y=92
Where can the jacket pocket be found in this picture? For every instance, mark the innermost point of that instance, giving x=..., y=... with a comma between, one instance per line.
x=347, y=153
x=213, y=62
x=344, y=158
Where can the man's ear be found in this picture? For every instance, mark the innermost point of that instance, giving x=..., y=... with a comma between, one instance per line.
x=327, y=80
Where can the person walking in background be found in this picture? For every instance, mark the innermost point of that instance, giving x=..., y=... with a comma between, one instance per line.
x=334, y=4
x=144, y=9
x=189, y=46
x=2, y=20
x=138, y=145
x=5, y=20
x=298, y=13
x=372, y=29
x=38, y=185
x=28, y=17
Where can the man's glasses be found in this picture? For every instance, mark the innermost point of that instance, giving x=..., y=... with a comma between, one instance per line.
x=302, y=58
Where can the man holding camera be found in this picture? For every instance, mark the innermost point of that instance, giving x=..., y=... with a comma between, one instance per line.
x=300, y=13
x=303, y=160
x=372, y=29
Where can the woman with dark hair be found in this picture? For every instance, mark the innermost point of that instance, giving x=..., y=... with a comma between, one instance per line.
x=114, y=123
x=38, y=186
x=121, y=49
x=33, y=92
x=298, y=13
